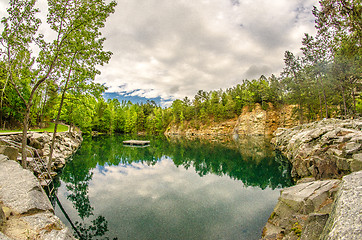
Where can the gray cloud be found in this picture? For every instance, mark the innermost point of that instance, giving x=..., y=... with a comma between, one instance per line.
x=174, y=48
x=254, y=71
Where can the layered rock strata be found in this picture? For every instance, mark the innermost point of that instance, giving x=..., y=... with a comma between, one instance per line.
x=330, y=148
x=326, y=210
x=253, y=121
x=258, y=121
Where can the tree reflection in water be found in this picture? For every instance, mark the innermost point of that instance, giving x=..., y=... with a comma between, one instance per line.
x=250, y=160
x=77, y=183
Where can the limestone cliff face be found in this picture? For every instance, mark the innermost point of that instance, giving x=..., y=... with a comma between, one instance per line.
x=253, y=121
x=211, y=131
x=257, y=121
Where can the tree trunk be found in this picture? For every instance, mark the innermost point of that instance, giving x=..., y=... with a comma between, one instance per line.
x=344, y=101
x=325, y=103
x=25, y=137
x=43, y=107
x=55, y=129
x=354, y=101
x=56, y=123
x=301, y=120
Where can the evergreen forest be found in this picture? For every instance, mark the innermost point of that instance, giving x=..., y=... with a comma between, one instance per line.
x=57, y=83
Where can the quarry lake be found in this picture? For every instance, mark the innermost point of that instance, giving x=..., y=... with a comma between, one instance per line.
x=173, y=189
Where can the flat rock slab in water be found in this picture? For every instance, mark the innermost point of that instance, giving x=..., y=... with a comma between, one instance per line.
x=136, y=143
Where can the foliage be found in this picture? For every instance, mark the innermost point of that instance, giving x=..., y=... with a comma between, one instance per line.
x=324, y=81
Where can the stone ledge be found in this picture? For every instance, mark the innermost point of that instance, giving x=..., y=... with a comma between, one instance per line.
x=28, y=211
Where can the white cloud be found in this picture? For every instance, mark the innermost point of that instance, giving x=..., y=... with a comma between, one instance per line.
x=174, y=48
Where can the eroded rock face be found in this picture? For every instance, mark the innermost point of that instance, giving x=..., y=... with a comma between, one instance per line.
x=329, y=148
x=302, y=211
x=259, y=121
x=253, y=121
x=345, y=220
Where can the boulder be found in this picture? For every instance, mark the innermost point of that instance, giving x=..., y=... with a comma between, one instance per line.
x=345, y=221
x=47, y=226
x=356, y=162
x=10, y=152
x=20, y=190
x=306, y=198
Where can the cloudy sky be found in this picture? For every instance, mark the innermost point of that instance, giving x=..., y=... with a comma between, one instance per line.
x=171, y=49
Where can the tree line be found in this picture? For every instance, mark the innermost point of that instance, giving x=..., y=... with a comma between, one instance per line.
x=56, y=82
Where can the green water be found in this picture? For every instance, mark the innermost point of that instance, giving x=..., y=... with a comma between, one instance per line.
x=174, y=189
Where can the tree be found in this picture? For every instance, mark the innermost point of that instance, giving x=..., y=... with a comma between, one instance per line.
x=294, y=81
x=339, y=25
x=77, y=68
x=66, y=18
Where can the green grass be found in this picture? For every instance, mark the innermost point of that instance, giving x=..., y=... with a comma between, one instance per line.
x=61, y=128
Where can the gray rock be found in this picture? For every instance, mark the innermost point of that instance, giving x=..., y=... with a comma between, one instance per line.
x=353, y=147
x=64, y=234
x=314, y=226
x=9, y=151
x=322, y=149
x=307, y=197
x=48, y=226
x=20, y=190
x=356, y=162
x=345, y=221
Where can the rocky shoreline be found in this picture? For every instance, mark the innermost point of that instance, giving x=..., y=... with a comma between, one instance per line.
x=25, y=210
x=317, y=208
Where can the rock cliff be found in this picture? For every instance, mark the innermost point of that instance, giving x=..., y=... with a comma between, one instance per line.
x=253, y=121
x=257, y=121
x=330, y=148
x=302, y=211
x=345, y=221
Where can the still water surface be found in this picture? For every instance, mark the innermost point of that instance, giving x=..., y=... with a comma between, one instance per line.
x=174, y=189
